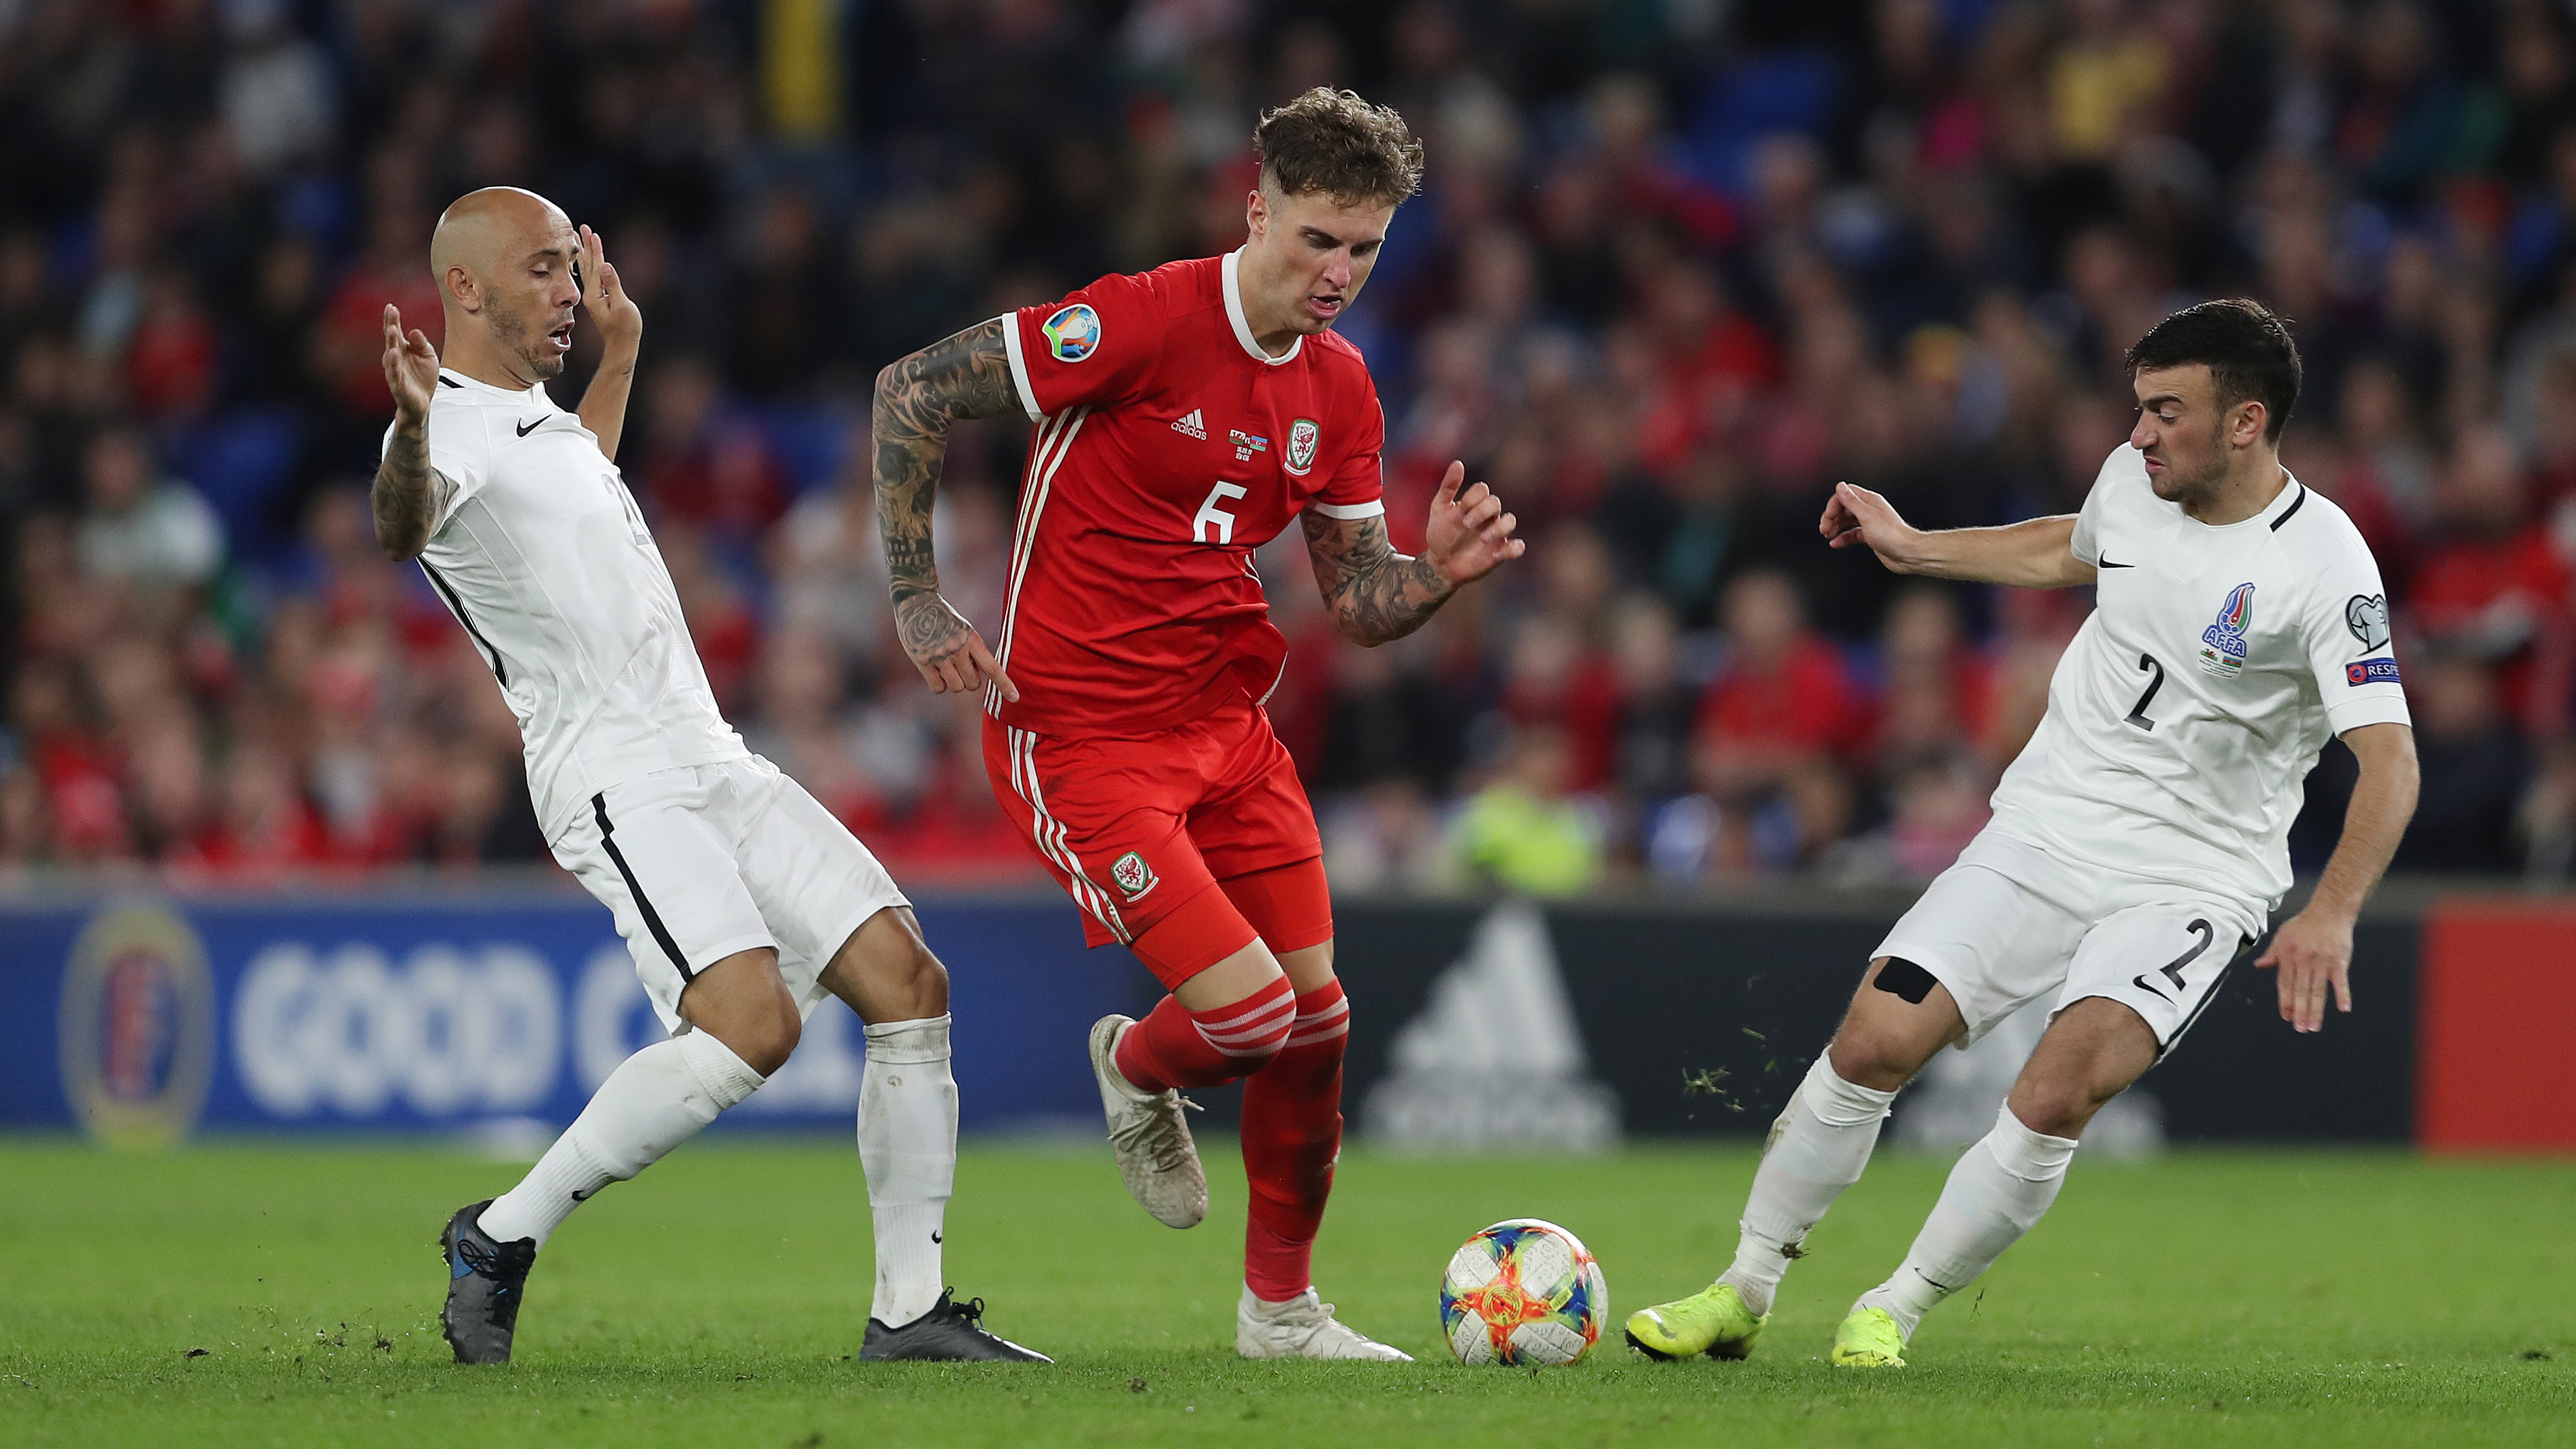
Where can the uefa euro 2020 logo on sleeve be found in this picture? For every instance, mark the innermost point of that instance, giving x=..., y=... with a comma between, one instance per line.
x=138, y=1027
x=2222, y=645
x=1073, y=333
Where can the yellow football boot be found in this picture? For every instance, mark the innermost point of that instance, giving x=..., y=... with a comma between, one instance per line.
x=1713, y=1321
x=1869, y=1339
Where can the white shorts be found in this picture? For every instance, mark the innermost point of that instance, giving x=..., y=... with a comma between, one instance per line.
x=2010, y=923
x=702, y=861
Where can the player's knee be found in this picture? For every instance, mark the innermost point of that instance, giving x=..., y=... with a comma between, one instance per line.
x=887, y=973
x=765, y=1037
x=1867, y=1059
x=1253, y=1030
x=902, y=981
x=2059, y=1107
x=1252, y=1054
x=750, y=1010
x=923, y=982
x=773, y=1039
x=1898, y=1019
x=1880, y=1054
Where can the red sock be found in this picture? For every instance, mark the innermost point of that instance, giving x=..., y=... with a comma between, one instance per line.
x=1292, y=1136
x=1177, y=1047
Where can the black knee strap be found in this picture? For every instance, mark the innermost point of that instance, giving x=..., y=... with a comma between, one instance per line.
x=1904, y=980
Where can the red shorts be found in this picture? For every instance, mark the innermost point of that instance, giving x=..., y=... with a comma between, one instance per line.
x=1141, y=832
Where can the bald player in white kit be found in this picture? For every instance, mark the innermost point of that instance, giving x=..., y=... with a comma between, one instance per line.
x=743, y=900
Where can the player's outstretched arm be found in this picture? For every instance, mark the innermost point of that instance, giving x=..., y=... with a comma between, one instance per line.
x=2313, y=949
x=918, y=399
x=1377, y=594
x=2034, y=554
x=404, y=496
x=621, y=331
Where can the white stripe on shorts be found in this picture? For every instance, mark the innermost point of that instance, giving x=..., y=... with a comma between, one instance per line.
x=1052, y=839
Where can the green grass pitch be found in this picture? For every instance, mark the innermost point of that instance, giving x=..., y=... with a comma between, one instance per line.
x=2211, y=1299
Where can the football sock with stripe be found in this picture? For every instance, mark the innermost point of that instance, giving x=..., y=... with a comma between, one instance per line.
x=908, y=1145
x=1292, y=1135
x=1177, y=1047
x=655, y=1100
x=1997, y=1192
x=1818, y=1148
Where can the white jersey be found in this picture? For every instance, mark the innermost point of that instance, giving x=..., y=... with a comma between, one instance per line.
x=2217, y=662
x=540, y=551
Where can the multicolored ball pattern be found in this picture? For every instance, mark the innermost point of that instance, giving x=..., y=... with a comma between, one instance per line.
x=1523, y=1293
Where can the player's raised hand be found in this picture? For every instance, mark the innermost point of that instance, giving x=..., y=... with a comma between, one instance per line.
x=946, y=649
x=1469, y=535
x=2312, y=952
x=612, y=311
x=1854, y=515
x=411, y=368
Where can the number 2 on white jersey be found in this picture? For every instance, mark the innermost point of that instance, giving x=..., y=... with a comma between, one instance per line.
x=2138, y=711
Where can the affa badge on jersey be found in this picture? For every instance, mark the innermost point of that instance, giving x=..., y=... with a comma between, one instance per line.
x=1073, y=333
x=2222, y=645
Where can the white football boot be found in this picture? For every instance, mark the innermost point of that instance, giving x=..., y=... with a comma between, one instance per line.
x=1303, y=1327
x=1156, y=1158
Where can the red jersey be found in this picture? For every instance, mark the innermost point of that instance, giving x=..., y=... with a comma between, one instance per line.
x=1168, y=447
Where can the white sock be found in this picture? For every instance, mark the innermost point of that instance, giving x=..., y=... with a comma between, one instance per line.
x=2000, y=1188
x=908, y=1145
x=1818, y=1148
x=655, y=1100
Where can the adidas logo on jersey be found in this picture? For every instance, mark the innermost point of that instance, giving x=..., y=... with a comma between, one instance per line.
x=1192, y=424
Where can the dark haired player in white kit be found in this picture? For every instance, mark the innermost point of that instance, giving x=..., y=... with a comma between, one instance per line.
x=2139, y=843
x=743, y=901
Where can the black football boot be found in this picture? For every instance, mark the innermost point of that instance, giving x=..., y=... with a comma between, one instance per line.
x=485, y=1282
x=950, y=1332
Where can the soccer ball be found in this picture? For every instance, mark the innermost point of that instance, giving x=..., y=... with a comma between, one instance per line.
x=1522, y=1293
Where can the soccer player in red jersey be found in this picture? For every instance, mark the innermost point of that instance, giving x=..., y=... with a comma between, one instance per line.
x=1184, y=416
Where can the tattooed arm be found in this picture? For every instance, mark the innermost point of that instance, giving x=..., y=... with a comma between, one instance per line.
x=406, y=492
x=918, y=399
x=1377, y=594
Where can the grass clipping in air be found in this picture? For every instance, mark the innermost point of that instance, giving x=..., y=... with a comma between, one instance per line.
x=240, y=1295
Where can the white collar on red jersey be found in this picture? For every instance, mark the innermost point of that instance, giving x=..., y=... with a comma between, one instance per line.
x=1232, y=286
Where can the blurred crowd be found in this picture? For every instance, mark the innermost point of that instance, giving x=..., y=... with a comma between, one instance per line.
x=1678, y=266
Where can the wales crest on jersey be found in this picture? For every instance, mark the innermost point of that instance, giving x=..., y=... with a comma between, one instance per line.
x=1303, y=438
x=2222, y=644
